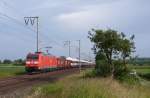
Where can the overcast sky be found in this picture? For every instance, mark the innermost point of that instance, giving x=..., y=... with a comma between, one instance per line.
x=62, y=20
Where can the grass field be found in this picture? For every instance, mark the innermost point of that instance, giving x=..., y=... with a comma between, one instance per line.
x=75, y=86
x=143, y=71
x=8, y=70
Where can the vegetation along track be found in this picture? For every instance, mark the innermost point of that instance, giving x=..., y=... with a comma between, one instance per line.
x=10, y=85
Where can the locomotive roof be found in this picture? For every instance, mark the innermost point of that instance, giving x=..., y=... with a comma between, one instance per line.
x=36, y=53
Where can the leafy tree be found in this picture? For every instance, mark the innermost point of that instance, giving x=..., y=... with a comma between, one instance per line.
x=111, y=45
x=126, y=47
x=19, y=62
x=7, y=61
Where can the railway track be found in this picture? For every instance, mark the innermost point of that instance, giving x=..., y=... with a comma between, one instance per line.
x=8, y=86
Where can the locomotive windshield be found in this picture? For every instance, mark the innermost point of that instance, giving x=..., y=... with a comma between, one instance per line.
x=32, y=57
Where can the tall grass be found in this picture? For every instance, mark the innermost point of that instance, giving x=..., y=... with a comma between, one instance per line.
x=76, y=86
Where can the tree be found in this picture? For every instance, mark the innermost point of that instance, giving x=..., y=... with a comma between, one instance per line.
x=126, y=47
x=19, y=62
x=6, y=61
x=111, y=44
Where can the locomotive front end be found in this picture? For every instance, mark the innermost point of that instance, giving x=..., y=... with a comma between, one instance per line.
x=32, y=62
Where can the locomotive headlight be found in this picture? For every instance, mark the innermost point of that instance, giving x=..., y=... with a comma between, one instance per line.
x=36, y=62
x=27, y=62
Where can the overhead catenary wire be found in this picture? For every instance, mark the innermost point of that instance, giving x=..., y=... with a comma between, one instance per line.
x=29, y=28
x=15, y=20
x=22, y=37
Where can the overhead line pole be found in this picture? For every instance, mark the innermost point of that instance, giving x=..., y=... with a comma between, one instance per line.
x=37, y=34
x=31, y=19
x=69, y=47
x=79, y=55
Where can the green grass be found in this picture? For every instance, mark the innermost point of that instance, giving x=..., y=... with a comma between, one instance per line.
x=7, y=71
x=75, y=86
x=143, y=71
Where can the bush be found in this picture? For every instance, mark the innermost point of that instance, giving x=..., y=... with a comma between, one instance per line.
x=120, y=69
x=102, y=68
x=129, y=79
x=122, y=73
x=145, y=76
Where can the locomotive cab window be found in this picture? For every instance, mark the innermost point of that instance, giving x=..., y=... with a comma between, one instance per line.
x=33, y=57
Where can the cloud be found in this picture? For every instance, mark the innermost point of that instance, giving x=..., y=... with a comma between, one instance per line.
x=62, y=20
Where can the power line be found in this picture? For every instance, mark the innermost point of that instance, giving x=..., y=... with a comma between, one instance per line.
x=21, y=37
x=22, y=23
x=51, y=40
x=14, y=20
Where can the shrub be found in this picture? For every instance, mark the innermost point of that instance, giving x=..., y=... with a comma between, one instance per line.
x=122, y=73
x=102, y=68
x=145, y=76
x=120, y=69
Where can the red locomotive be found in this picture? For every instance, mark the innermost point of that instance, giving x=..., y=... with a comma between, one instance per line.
x=39, y=61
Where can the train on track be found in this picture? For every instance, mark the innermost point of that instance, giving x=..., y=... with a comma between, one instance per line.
x=39, y=61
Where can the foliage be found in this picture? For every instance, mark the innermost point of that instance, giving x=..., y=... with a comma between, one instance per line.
x=19, y=62
x=105, y=42
x=102, y=68
x=140, y=61
x=122, y=73
x=7, y=61
x=120, y=69
x=145, y=76
x=110, y=45
x=75, y=87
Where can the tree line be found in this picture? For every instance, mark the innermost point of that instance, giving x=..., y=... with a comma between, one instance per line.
x=18, y=62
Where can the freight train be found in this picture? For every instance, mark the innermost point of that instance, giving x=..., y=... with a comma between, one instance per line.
x=39, y=61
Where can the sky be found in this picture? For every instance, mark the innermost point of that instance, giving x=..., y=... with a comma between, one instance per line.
x=62, y=20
